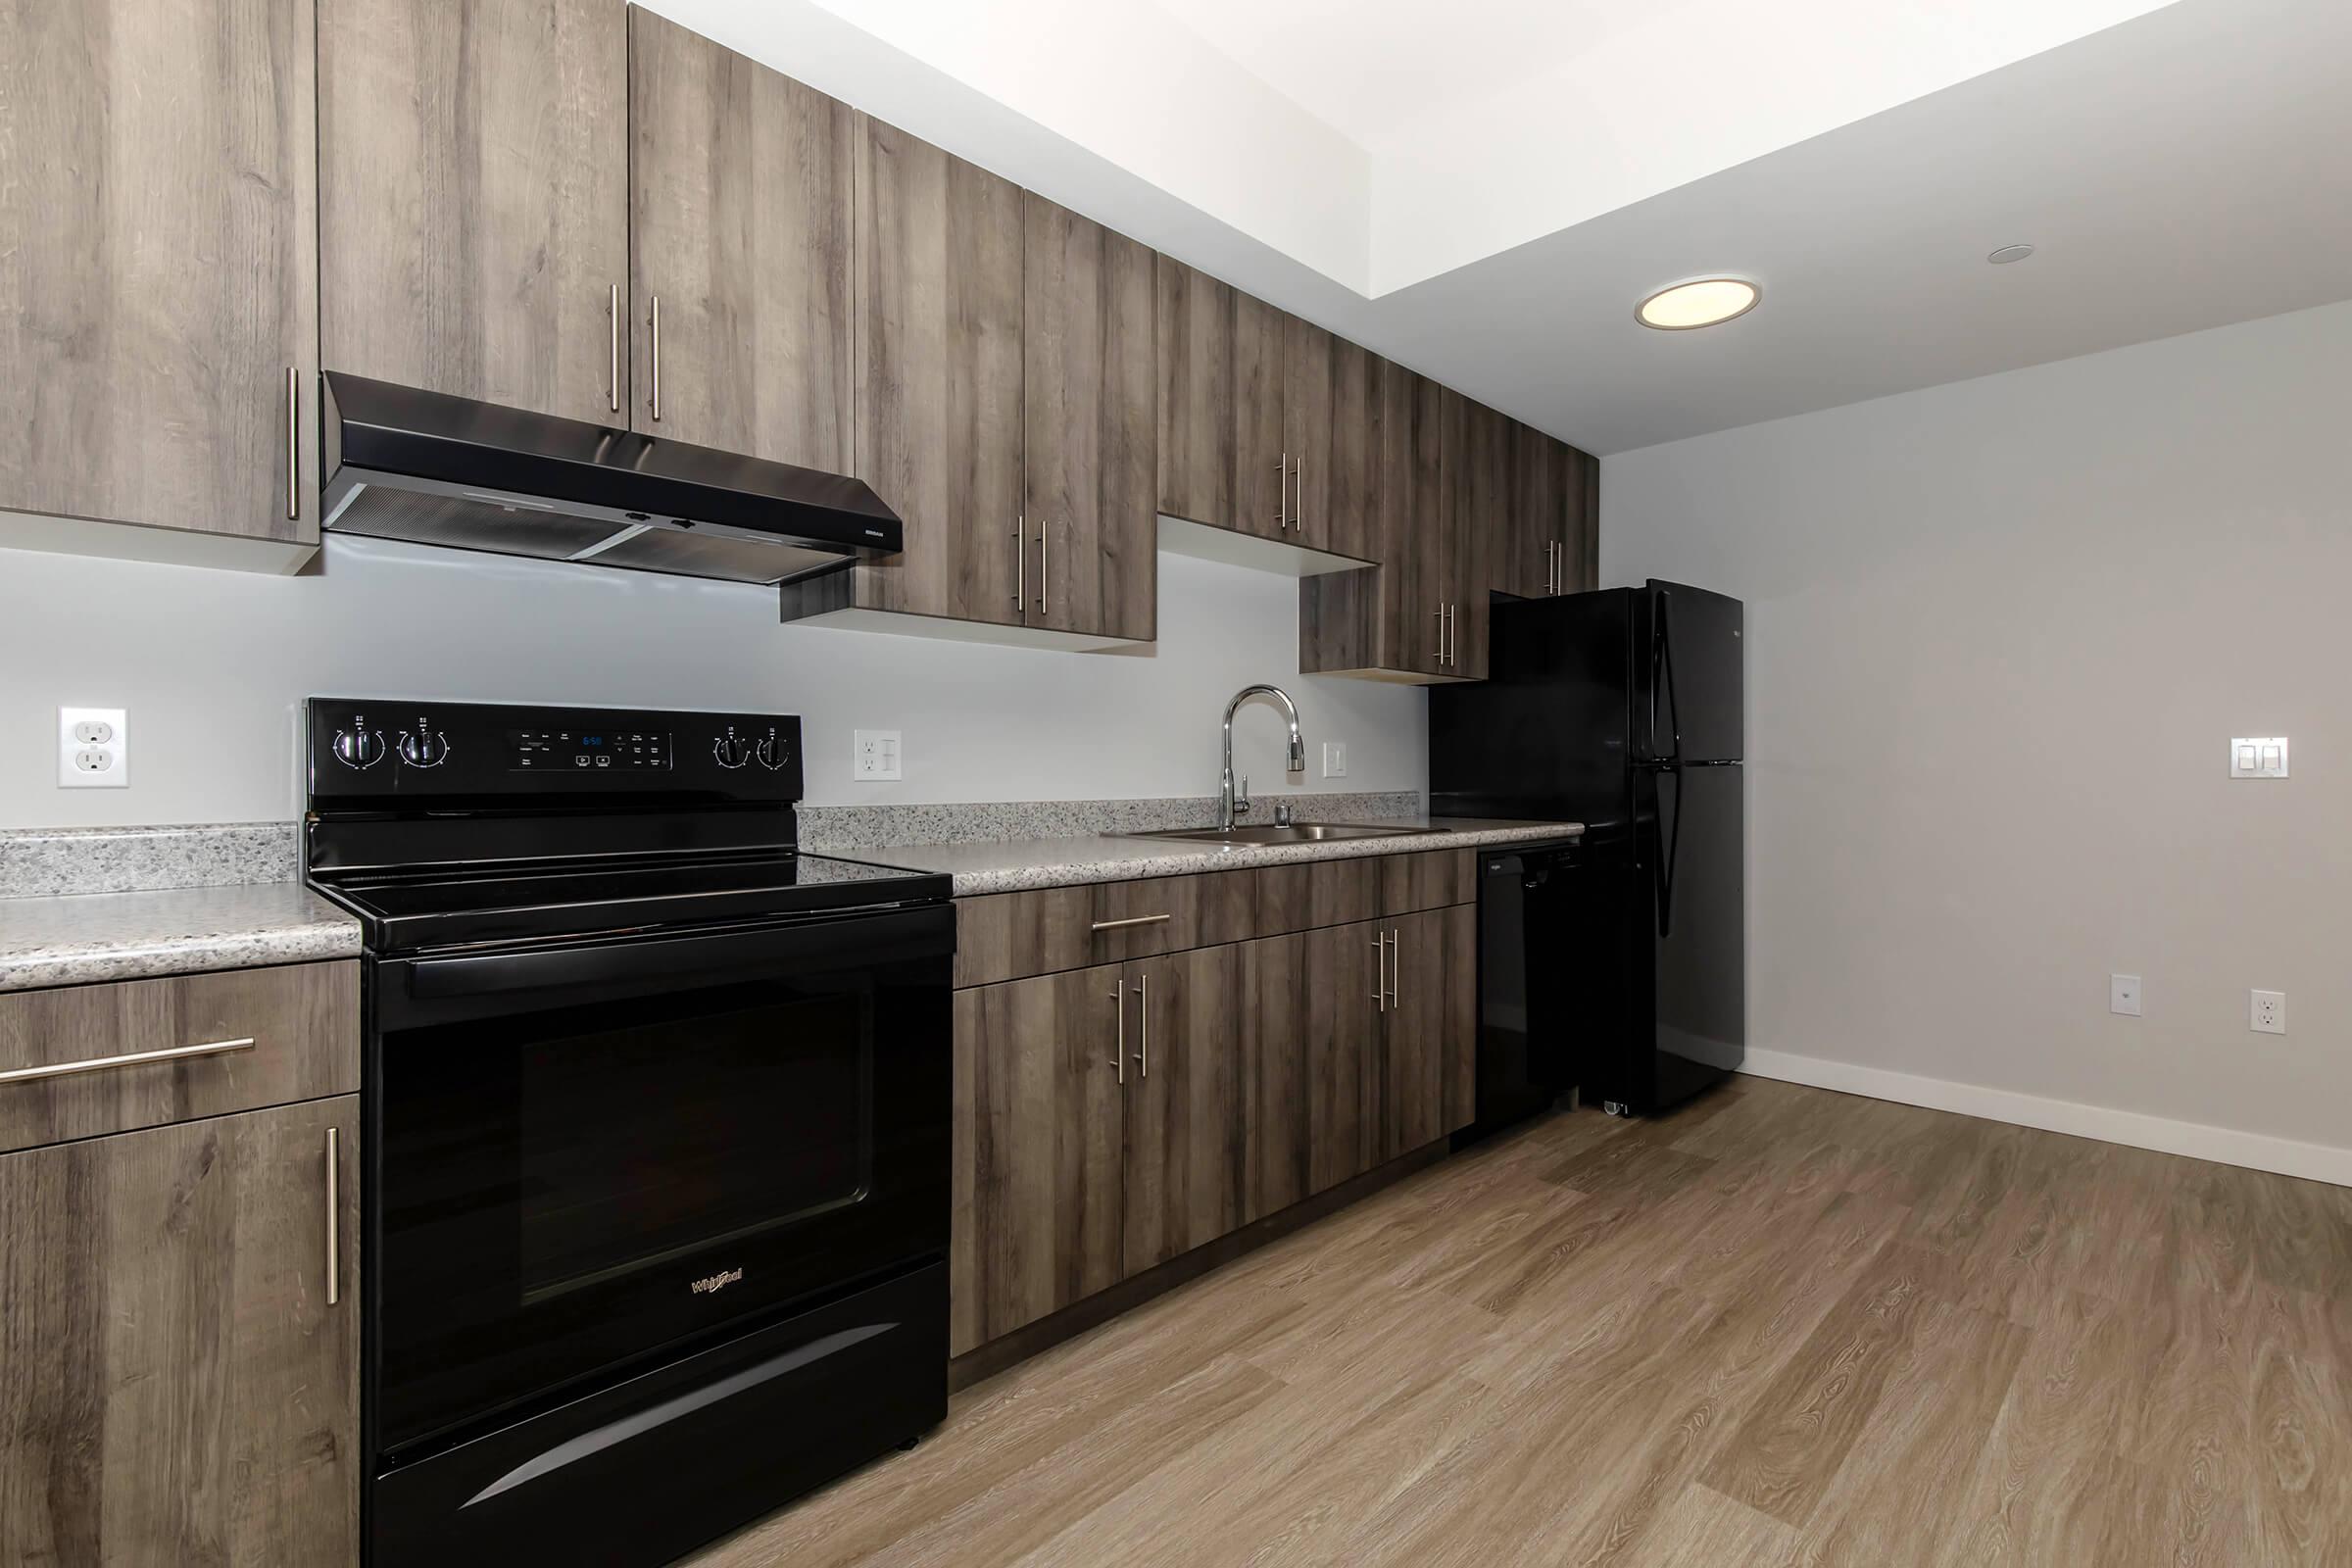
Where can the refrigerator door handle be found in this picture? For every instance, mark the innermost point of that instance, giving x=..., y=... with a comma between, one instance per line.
x=1672, y=845
x=1665, y=656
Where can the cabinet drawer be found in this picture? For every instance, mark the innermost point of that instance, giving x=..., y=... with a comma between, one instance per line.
x=240, y=1039
x=1271, y=901
x=1007, y=936
x=1429, y=880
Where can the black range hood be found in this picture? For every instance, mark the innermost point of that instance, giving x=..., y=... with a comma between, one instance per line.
x=432, y=469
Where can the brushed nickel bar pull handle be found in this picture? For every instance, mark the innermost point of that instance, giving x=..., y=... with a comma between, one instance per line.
x=654, y=321
x=1282, y=492
x=612, y=320
x=1439, y=613
x=1118, y=1058
x=335, y=1216
x=1121, y=925
x=1395, y=969
x=1380, y=970
x=137, y=1058
x=1143, y=1011
x=1021, y=561
x=1298, y=486
x=293, y=443
x=1045, y=564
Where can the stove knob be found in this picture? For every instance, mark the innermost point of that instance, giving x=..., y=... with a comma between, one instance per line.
x=423, y=750
x=774, y=753
x=732, y=751
x=359, y=748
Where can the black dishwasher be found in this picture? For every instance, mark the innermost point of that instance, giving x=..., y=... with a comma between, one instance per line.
x=1551, y=973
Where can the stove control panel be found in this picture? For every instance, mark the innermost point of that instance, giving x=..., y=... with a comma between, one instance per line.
x=362, y=751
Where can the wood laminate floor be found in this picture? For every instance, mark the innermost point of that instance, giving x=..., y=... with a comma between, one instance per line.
x=1783, y=1326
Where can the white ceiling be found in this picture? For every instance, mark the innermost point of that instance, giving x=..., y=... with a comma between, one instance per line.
x=2181, y=169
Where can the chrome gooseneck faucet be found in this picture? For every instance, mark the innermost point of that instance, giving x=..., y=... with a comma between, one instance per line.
x=1228, y=804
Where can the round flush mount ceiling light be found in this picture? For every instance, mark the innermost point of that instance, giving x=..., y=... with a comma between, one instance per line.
x=2010, y=252
x=1697, y=302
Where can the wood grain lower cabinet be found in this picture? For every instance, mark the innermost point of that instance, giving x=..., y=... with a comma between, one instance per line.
x=1110, y=1118
x=1187, y=1161
x=474, y=199
x=178, y=1386
x=1040, y=1150
x=158, y=306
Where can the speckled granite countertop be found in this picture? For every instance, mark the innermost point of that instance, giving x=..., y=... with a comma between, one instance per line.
x=1063, y=862
x=70, y=939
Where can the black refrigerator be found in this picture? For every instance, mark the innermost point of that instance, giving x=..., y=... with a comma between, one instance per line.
x=1623, y=710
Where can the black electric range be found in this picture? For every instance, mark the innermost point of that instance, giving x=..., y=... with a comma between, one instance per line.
x=656, y=1133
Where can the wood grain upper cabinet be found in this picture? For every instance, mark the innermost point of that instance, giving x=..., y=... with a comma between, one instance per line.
x=1194, y=323
x=1550, y=544
x=182, y=1377
x=473, y=214
x=740, y=235
x=1482, y=530
x=939, y=382
x=158, y=306
x=1527, y=566
x=1337, y=491
x=1088, y=428
x=1261, y=470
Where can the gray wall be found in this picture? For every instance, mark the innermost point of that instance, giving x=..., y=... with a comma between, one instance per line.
x=2000, y=634
x=213, y=665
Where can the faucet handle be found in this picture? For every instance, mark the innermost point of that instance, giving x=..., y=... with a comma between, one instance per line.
x=1241, y=797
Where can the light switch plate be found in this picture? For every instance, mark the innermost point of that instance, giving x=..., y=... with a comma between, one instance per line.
x=93, y=749
x=1334, y=758
x=2258, y=757
x=2122, y=995
x=875, y=755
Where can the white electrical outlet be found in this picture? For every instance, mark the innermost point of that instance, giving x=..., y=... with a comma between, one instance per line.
x=2269, y=1012
x=1334, y=758
x=875, y=755
x=2122, y=995
x=93, y=749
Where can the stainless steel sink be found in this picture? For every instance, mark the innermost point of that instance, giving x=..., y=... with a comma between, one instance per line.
x=1285, y=833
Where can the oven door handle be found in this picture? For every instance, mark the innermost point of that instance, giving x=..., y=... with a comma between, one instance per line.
x=607, y=968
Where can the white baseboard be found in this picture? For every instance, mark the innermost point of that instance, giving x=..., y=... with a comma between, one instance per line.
x=2254, y=1150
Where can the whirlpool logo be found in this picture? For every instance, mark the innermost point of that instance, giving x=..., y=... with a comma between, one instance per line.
x=716, y=1282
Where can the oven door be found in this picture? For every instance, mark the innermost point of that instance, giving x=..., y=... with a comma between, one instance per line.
x=585, y=1151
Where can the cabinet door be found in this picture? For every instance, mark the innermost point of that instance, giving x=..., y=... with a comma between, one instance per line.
x=1340, y=1034
x=474, y=198
x=177, y=1387
x=938, y=375
x=1309, y=359
x=1343, y=497
x=1193, y=321
x=1410, y=589
x=1526, y=564
x=1481, y=529
x=1580, y=535
x=1278, y=1074
x=1187, y=1161
x=157, y=195
x=1089, y=426
x=740, y=226
x=1260, y=483
x=1039, y=1166
x=1428, y=1063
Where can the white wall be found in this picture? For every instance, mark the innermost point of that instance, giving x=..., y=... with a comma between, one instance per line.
x=1999, y=635
x=213, y=665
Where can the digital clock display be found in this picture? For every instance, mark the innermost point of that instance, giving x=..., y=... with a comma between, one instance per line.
x=566, y=750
